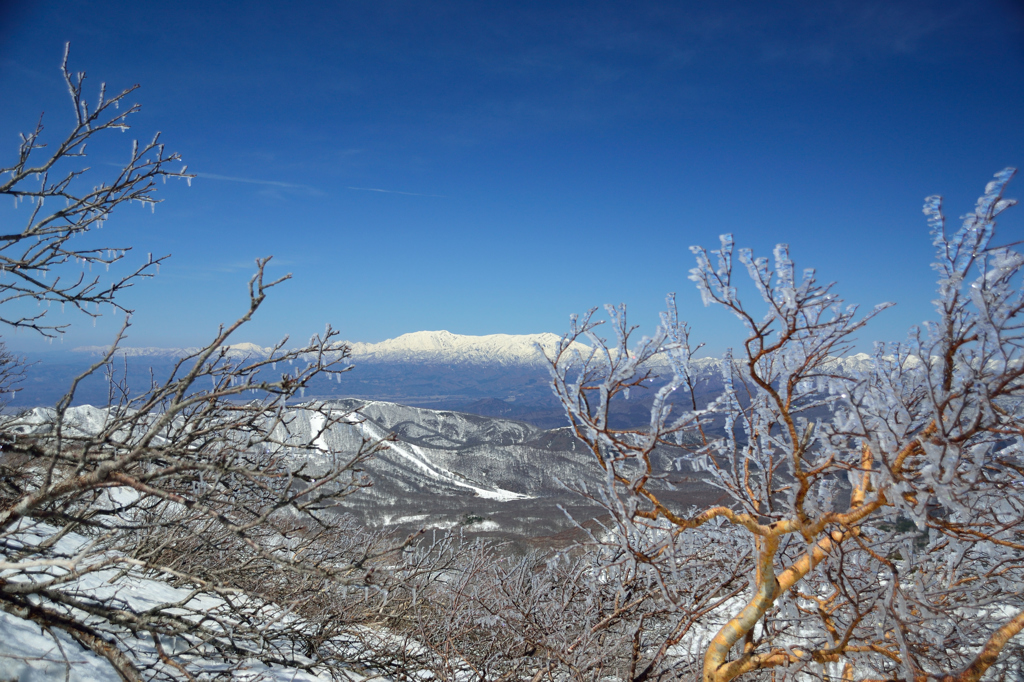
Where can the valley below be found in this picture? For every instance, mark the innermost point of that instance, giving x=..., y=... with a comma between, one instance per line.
x=481, y=443
x=493, y=477
x=499, y=479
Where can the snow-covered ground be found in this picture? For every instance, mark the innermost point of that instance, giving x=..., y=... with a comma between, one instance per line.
x=29, y=653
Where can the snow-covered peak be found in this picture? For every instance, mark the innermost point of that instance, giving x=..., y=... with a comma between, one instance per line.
x=249, y=348
x=445, y=347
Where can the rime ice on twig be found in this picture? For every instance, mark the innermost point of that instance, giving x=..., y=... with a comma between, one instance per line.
x=44, y=240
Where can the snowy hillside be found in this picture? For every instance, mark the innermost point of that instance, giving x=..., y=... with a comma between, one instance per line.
x=31, y=653
x=445, y=468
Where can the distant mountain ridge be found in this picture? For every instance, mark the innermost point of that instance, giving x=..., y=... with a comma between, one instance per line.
x=497, y=375
x=434, y=347
x=445, y=348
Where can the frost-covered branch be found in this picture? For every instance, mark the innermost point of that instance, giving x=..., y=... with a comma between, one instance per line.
x=883, y=507
x=62, y=209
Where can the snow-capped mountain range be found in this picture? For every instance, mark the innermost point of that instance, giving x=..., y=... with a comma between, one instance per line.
x=434, y=347
x=443, y=348
x=446, y=348
x=498, y=375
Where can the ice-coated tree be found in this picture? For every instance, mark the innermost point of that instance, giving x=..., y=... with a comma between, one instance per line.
x=177, y=528
x=38, y=238
x=877, y=514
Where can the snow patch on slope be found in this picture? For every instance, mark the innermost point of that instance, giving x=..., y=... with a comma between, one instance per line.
x=415, y=455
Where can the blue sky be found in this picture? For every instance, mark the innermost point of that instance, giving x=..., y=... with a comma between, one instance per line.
x=537, y=159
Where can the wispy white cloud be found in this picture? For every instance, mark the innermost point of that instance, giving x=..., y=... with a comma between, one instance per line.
x=256, y=181
x=394, y=191
x=209, y=271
